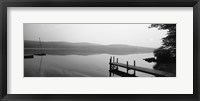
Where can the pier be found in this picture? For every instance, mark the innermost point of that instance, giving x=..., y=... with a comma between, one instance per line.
x=115, y=65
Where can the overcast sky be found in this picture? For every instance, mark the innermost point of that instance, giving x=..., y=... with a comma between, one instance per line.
x=130, y=34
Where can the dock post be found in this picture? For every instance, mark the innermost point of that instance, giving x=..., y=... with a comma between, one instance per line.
x=117, y=62
x=127, y=66
x=134, y=66
x=113, y=60
x=110, y=62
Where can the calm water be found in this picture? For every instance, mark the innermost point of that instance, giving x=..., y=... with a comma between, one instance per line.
x=80, y=65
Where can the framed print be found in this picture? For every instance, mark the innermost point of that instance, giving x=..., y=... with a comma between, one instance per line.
x=88, y=50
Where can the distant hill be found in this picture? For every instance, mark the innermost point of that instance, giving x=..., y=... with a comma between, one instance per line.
x=83, y=48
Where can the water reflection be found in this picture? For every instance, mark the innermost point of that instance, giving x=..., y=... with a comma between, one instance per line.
x=40, y=66
x=168, y=67
x=80, y=65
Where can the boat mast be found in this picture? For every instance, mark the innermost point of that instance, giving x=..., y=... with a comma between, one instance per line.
x=40, y=46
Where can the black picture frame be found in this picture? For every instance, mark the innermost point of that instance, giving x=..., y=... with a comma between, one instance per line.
x=98, y=3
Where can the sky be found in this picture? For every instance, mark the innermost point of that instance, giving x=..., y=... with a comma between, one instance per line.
x=105, y=34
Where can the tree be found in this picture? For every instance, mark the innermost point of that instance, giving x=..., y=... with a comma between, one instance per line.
x=167, y=52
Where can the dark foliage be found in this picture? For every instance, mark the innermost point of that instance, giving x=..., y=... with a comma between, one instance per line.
x=167, y=52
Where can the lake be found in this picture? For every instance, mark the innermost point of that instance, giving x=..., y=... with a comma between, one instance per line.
x=81, y=65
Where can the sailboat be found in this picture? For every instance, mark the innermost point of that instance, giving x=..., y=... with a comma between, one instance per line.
x=41, y=53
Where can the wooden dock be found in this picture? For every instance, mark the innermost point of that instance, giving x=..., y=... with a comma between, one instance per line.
x=120, y=73
x=115, y=65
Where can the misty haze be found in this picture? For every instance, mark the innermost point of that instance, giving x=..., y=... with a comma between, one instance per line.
x=99, y=50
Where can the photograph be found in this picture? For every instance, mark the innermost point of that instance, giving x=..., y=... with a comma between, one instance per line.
x=99, y=49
